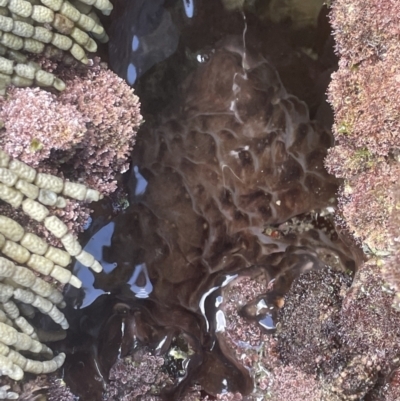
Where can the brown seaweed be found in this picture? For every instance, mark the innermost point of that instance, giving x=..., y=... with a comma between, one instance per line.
x=236, y=156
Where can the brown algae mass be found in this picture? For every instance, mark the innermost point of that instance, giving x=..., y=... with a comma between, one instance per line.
x=237, y=155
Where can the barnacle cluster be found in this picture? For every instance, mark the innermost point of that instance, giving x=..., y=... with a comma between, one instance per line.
x=31, y=25
x=21, y=288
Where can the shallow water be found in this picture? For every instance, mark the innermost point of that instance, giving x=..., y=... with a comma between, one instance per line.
x=226, y=157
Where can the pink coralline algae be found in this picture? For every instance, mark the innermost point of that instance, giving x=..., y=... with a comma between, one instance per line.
x=85, y=134
x=113, y=115
x=364, y=94
x=36, y=124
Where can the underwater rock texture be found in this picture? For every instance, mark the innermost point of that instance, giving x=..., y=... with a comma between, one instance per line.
x=235, y=156
x=364, y=94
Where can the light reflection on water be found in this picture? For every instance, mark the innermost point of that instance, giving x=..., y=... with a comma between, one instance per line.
x=139, y=282
x=95, y=247
x=141, y=182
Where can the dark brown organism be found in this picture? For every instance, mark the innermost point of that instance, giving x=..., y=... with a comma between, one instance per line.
x=236, y=155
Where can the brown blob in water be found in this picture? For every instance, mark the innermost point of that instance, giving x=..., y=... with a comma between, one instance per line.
x=230, y=160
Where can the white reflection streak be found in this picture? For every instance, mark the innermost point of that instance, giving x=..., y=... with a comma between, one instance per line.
x=144, y=291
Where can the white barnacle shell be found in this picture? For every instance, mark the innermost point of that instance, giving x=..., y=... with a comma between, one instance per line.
x=35, y=367
x=56, y=297
x=96, y=266
x=104, y=5
x=75, y=282
x=17, y=358
x=8, y=334
x=58, y=317
x=59, y=84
